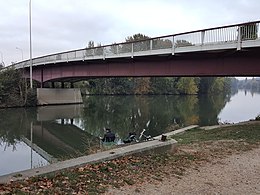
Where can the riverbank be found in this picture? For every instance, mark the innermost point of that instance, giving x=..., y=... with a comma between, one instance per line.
x=238, y=174
x=197, y=149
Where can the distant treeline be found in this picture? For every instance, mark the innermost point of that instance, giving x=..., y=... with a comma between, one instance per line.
x=250, y=84
x=156, y=85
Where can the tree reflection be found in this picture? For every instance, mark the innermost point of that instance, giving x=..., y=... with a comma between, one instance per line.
x=124, y=114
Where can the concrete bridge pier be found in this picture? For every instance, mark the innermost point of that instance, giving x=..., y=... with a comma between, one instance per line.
x=52, y=96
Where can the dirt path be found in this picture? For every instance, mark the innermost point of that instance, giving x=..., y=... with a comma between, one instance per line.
x=236, y=174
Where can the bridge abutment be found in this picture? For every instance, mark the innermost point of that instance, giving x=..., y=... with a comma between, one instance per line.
x=52, y=96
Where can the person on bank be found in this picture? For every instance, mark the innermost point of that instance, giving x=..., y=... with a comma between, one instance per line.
x=109, y=136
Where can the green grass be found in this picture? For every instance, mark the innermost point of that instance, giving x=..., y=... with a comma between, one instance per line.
x=249, y=133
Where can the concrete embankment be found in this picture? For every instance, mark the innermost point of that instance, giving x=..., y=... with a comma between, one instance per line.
x=156, y=144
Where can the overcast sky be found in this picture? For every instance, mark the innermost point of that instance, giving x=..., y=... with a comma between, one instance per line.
x=61, y=25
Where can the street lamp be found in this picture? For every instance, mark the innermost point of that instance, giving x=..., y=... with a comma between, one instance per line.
x=30, y=21
x=21, y=51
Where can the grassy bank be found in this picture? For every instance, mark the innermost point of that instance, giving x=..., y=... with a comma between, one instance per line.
x=248, y=132
x=195, y=148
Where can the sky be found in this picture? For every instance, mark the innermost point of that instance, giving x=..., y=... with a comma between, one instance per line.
x=62, y=25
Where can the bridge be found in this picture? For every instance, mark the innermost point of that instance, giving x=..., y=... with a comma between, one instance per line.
x=221, y=51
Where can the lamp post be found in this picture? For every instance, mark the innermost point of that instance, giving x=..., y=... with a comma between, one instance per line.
x=30, y=21
x=20, y=50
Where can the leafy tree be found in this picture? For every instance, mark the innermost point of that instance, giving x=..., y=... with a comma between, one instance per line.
x=90, y=52
x=211, y=85
x=205, y=84
x=161, y=44
x=144, y=45
x=121, y=86
x=163, y=85
x=91, y=44
x=182, y=43
x=14, y=90
x=99, y=50
x=136, y=37
x=142, y=85
x=249, y=31
x=187, y=85
x=114, y=48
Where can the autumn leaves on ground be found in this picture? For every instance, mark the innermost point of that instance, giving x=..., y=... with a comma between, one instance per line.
x=195, y=148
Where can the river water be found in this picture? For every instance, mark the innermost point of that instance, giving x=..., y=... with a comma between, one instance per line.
x=35, y=137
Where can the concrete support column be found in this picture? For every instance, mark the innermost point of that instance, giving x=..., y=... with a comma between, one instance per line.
x=47, y=96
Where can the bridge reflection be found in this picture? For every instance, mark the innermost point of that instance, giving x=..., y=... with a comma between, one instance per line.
x=53, y=132
x=57, y=133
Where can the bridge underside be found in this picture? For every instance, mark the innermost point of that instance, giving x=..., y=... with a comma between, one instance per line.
x=213, y=63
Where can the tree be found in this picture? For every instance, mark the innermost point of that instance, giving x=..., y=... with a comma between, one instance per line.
x=114, y=48
x=163, y=85
x=142, y=85
x=99, y=50
x=136, y=37
x=214, y=85
x=14, y=90
x=162, y=44
x=91, y=44
x=143, y=45
x=182, y=43
x=249, y=31
x=187, y=85
x=89, y=51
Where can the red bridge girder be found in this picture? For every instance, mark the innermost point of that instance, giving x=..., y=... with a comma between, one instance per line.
x=225, y=63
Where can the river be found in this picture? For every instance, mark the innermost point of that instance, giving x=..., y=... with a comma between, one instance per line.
x=35, y=137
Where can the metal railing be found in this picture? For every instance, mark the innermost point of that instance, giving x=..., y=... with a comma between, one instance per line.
x=225, y=35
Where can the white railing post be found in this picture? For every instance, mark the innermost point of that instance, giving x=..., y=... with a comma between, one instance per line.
x=202, y=37
x=173, y=45
x=151, y=44
x=239, y=39
x=104, y=55
x=132, y=52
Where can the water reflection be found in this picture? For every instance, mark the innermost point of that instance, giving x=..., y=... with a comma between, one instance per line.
x=45, y=132
x=244, y=105
x=59, y=132
x=156, y=114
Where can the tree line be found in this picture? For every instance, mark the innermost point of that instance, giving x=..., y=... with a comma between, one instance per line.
x=156, y=85
x=249, y=84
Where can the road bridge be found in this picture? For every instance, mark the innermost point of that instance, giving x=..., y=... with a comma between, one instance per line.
x=221, y=51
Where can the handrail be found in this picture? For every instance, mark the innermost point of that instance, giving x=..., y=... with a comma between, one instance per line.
x=228, y=33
